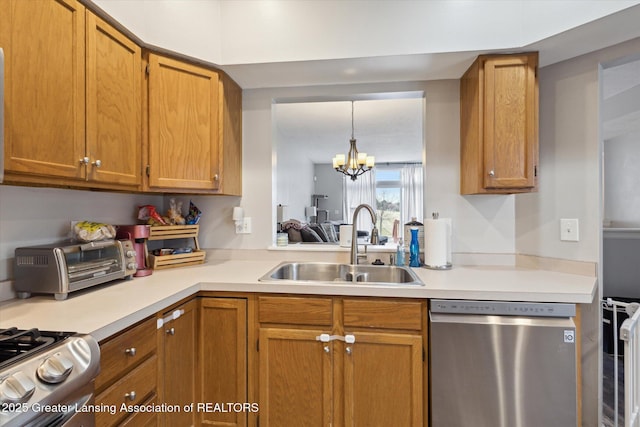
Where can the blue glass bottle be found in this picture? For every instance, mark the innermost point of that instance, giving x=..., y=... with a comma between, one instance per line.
x=414, y=249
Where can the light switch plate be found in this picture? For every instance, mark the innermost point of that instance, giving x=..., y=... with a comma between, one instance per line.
x=569, y=231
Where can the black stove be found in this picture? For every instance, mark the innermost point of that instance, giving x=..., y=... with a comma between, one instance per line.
x=46, y=369
x=16, y=344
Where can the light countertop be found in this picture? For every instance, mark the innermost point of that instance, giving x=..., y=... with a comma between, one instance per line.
x=105, y=310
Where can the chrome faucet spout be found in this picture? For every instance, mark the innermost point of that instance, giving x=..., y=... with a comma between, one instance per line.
x=354, y=234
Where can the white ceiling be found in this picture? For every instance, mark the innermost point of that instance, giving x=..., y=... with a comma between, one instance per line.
x=558, y=43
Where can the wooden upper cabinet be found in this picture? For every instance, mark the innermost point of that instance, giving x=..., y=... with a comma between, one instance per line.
x=44, y=48
x=73, y=98
x=114, y=106
x=230, y=136
x=183, y=126
x=499, y=125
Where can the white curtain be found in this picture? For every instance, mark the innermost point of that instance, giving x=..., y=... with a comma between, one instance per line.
x=412, y=191
x=362, y=190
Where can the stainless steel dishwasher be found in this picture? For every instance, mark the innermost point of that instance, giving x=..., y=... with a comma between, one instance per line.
x=502, y=364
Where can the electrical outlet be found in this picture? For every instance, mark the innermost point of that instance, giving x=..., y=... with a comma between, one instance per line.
x=244, y=227
x=569, y=230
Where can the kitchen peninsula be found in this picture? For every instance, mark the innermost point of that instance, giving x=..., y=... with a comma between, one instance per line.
x=225, y=299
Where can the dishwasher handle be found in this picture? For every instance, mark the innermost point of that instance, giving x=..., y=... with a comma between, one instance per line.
x=476, y=319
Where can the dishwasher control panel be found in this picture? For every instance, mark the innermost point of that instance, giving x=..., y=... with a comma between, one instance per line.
x=503, y=308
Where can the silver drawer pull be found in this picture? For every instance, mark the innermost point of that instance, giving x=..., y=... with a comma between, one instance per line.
x=131, y=395
x=130, y=351
x=327, y=349
x=492, y=173
x=348, y=350
x=171, y=331
x=97, y=163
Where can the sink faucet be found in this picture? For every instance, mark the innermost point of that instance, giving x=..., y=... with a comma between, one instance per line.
x=354, y=233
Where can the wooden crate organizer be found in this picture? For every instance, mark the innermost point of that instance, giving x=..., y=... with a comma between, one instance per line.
x=168, y=232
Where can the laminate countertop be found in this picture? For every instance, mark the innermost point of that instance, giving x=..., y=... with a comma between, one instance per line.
x=105, y=310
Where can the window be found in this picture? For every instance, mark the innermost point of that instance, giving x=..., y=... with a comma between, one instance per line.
x=394, y=190
x=388, y=199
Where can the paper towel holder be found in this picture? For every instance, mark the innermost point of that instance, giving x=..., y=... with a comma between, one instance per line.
x=447, y=265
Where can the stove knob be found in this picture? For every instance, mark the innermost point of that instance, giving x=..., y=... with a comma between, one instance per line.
x=130, y=254
x=55, y=369
x=17, y=388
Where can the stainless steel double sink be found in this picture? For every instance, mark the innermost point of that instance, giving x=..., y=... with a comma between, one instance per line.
x=342, y=273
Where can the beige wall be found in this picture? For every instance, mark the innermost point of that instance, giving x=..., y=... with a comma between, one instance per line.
x=482, y=224
x=569, y=160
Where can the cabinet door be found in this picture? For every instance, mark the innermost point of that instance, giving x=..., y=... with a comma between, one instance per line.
x=223, y=350
x=383, y=380
x=179, y=364
x=45, y=92
x=510, y=121
x=114, y=124
x=183, y=126
x=295, y=378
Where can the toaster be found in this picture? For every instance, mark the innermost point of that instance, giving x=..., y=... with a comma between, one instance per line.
x=69, y=266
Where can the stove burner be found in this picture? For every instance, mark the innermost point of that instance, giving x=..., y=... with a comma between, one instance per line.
x=15, y=344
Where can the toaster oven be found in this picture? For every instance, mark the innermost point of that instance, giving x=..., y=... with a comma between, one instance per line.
x=66, y=267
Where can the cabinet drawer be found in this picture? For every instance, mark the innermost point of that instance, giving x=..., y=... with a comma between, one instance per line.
x=141, y=381
x=126, y=351
x=383, y=314
x=143, y=419
x=299, y=311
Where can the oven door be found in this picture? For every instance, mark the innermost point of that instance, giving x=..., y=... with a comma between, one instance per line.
x=73, y=411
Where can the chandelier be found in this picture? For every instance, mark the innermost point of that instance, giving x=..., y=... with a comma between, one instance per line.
x=355, y=163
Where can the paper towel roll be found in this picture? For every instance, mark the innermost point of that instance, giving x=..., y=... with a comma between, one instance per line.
x=437, y=245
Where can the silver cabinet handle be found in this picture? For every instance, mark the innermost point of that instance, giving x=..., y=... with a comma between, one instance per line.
x=97, y=163
x=348, y=350
x=492, y=173
x=216, y=177
x=131, y=395
x=327, y=349
x=171, y=331
x=130, y=351
x=84, y=161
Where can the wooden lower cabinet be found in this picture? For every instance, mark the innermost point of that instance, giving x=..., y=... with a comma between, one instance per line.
x=223, y=352
x=383, y=380
x=128, y=374
x=296, y=386
x=178, y=363
x=365, y=368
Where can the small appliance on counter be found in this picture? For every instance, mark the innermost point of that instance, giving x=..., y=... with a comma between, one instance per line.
x=68, y=266
x=138, y=235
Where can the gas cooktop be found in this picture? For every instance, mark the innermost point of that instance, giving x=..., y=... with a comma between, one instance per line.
x=16, y=344
x=45, y=369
